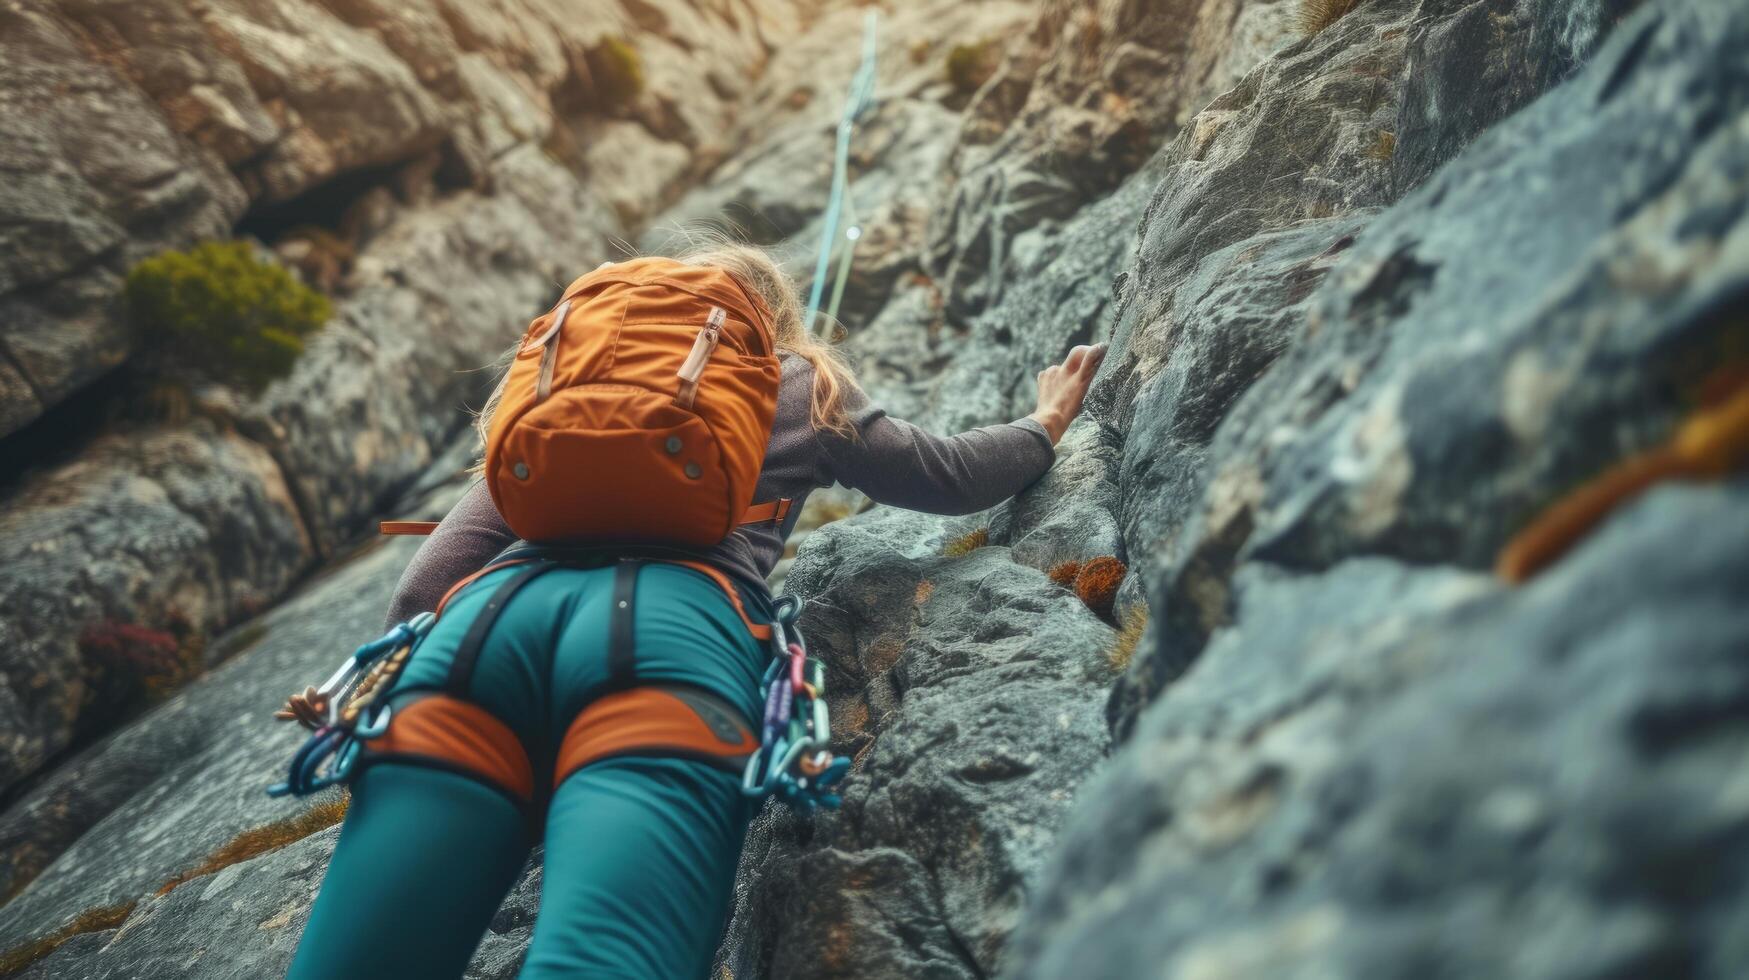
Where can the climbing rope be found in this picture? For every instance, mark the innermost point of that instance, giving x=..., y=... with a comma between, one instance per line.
x=851, y=235
x=861, y=88
x=795, y=761
x=346, y=711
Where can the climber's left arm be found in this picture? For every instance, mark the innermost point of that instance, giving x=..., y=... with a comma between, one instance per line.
x=466, y=539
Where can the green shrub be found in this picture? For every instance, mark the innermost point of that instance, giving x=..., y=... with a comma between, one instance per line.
x=617, y=71
x=969, y=66
x=218, y=310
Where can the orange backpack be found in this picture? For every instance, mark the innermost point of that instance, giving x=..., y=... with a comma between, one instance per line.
x=638, y=410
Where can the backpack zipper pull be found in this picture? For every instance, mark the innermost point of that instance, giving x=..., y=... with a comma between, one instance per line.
x=693, y=367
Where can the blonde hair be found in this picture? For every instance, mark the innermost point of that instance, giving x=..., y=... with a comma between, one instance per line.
x=760, y=274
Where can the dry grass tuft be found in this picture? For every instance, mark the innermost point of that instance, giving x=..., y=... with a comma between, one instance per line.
x=1129, y=636
x=965, y=544
x=1315, y=15
x=257, y=841
x=1096, y=583
x=1711, y=443
x=92, y=920
x=1063, y=573
x=1384, y=146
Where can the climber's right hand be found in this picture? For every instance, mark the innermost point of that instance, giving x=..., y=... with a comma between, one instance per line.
x=1062, y=388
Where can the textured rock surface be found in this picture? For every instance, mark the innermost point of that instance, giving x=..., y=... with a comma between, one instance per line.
x=1383, y=766
x=95, y=178
x=1376, y=297
x=135, y=126
x=156, y=797
x=961, y=686
x=1299, y=381
x=1534, y=362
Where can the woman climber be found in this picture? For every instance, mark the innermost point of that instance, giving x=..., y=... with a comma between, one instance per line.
x=602, y=694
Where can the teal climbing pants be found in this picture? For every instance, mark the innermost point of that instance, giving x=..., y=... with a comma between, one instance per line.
x=640, y=849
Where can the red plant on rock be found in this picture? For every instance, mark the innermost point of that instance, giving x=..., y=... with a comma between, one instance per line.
x=1097, y=581
x=124, y=661
x=1063, y=573
x=129, y=647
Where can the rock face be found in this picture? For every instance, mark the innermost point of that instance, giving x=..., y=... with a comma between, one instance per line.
x=1377, y=296
x=1361, y=340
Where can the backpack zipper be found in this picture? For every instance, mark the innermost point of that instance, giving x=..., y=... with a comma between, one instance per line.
x=693, y=367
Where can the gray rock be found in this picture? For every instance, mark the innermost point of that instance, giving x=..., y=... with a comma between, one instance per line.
x=1077, y=107
x=196, y=523
x=1551, y=335
x=154, y=798
x=1379, y=767
x=143, y=125
x=95, y=178
x=966, y=690
x=241, y=922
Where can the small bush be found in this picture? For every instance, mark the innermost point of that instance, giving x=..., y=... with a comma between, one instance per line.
x=616, y=73
x=221, y=312
x=1315, y=15
x=969, y=66
x=126, y=663
x=1097, y=581
x=965, y=544
x=1063, y=573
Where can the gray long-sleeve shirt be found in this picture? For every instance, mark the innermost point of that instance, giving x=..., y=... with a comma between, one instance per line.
x=892, y=461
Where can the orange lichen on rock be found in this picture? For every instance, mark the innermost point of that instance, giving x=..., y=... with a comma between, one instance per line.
x=260, y=840
x=965, y=544
x=1097, y=581
x=1063, y=573
x=91, y=920
x=1711, y=443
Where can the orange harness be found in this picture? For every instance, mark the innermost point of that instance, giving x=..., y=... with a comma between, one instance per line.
x=448, y=731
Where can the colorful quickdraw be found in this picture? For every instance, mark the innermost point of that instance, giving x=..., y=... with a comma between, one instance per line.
x=345, y=711
x=795, y=760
